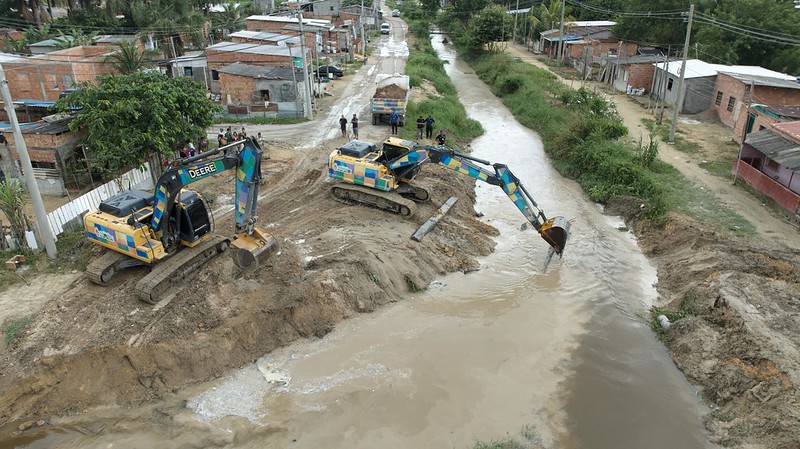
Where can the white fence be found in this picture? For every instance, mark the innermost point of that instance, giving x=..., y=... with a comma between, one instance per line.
x=139, y=178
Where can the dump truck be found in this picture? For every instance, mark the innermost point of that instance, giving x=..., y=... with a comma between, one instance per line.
x=391, y=95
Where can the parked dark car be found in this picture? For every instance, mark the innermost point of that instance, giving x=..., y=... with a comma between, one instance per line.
x=324, y=70
x=396, y=13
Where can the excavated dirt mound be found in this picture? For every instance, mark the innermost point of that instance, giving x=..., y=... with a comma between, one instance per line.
x=100, y=346
x=390, y=91
x=736, y=329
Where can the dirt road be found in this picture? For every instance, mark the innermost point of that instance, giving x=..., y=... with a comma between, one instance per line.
x=711, y=136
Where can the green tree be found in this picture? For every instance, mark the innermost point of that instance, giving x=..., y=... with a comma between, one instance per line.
x=170, y=20
x=488, y=27
x=464, y=10
x=430, y=6
x=129, y=59
x=770, y=16
x=130, y=117
x=230, y=20
x=74, y=38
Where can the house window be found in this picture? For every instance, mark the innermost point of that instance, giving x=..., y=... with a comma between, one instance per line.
x=265, y=95
x=215, y=75
x=731, y=102
x=718, y=101
x=669, y=84
x=187, y=71
x=772, y=165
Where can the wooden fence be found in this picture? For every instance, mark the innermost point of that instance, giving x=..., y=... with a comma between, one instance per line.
x=139, y=178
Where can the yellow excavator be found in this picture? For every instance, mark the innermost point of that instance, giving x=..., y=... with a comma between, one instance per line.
x=172, y=231
x=381, y=178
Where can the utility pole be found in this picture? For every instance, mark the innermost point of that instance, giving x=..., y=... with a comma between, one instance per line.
x=307, y=78
x=561, y=31
x=514, y=35
x=294, y=81
x=679, y=103
x=363, y=36
x=616, y=71
x=45, y=233
x=744, y=129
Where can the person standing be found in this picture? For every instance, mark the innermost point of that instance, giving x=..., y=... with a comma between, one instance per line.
x=393, y=119
x=420, y=125
x=343, y=125
x=354, y=122
x=440, y=138
x=203, y=146
x=429, y=121
x=228, y=135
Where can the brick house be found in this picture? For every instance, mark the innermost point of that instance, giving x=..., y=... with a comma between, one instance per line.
x=52, y=149
x=770, y=163
x=764, y=115
x=631, y=72
x=262, y=91
x=44, y=77
x=224, y=54
x=264, y=37
x=732, y=93
x=316, y=31
x=573, y=31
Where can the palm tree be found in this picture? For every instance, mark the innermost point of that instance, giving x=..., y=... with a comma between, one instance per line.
x=170, y=20
x=230, y=20
x=129, y=59
x=12, y=203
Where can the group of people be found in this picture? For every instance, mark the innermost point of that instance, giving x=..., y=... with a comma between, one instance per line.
x=189, y=150
x=353, y=125
x=394, y=119
x=230, y=136
x=427, y=124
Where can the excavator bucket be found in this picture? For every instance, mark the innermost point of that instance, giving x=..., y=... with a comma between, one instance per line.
x=251, y=249
x=555, y=231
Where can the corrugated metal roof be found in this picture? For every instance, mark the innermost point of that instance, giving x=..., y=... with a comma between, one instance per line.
x=764, y=80
x=776, y=147
x=243, y=47
x=780, y=111
x=266, y=36
x=58, y=127
x=262, y=72
x=791, y=129
x=695, y=68
x=640, y=59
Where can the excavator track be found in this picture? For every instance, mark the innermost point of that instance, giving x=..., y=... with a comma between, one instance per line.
x=102, y=269
x=365, y=196
x=178, y=267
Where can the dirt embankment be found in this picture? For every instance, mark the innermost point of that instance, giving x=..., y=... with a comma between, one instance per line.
x=736, y=328
x=96, y=346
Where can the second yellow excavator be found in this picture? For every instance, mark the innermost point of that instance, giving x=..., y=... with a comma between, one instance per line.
x=381, y=178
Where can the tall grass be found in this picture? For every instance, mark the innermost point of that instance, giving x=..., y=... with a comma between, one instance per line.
x=424, y=66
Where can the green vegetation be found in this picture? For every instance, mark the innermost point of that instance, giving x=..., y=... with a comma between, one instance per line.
x=127, y=118
x=680, y=143
x=425, y=68
x=14, y=327
x=412, y=284
x=504, y=444
x=74, y=253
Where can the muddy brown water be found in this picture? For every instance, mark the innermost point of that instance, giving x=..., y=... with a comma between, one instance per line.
x=555, y=359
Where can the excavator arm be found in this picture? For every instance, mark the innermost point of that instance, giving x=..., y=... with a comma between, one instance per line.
x=555, y=231
x=250, y=243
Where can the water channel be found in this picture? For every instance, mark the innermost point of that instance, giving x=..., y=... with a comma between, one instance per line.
x=555, y=359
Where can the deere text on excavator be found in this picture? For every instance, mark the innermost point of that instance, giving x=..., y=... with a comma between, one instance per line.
x=381, y=178
x=172, y=231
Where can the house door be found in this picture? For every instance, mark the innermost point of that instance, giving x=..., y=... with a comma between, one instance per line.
x=751, y=120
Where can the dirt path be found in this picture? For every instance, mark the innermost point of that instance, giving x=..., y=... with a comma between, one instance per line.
x=709, y=136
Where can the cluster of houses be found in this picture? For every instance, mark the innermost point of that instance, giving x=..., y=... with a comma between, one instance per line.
x=258, y=71
x=761, y=106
